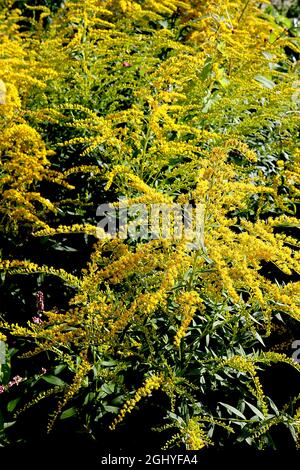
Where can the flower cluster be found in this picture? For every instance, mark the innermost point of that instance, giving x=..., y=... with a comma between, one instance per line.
x=243, y=364
x=194, y=436
x=14, y=381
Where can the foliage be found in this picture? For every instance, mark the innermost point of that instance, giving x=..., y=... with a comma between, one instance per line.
x=155, y=102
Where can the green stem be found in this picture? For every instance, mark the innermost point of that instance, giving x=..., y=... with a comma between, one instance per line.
x=190, y=281
x=243, y=11
x=145, y=146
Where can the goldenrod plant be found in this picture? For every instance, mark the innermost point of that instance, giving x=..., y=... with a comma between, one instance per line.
x=151, y=102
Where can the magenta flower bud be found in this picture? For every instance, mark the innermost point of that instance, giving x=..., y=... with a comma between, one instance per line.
x=40, y=301
x=37, y=320
x=2, y=389
x=126, y=64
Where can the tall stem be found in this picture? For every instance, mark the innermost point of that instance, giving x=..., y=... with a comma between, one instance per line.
x=243, y=11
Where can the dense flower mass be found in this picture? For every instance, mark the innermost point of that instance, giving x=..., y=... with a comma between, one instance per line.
x=150, y=103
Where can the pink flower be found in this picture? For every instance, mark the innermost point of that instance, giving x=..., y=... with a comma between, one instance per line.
x=2, y=389
x=37, y=320
x=126, y=64
x=17, y=379
x=43, y=370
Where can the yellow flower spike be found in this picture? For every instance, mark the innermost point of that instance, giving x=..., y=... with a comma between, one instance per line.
x=26, y=267
x=76, y=228
x=81, y=371
x=2, y=337
x=137, y=183
x=296, y=417
x=152, y=383
x=188, y=302
x=24, y=160
x=246, y=365
x=194, y=436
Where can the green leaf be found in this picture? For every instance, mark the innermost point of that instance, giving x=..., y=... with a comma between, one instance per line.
x=259, y=338
x=210, y=101
x=2, y=352
x=51, y=379
x=12, y=404
x=273, y=406
x=60, y=247
x=5, y=370
x=205, y=72
x=163, y=23
x=268, y=55
x=256, y=411
x=108, y=388
x=59, y=369
x=292, y=430
x=109, y=363
x=233, y=410
x=9, y=424
x=224, y=82
x=287, y=225
x=265, y=82
x=221, y=47
x=285, y=21
x=89, y=397
x=175, y=161
x=196, y=371
x=111, y=409
x=68, y=413
x=272, y=38
x=119, y=400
